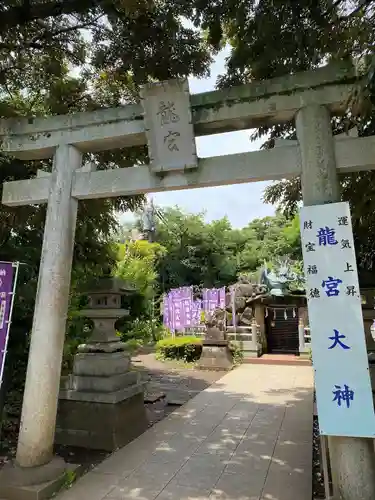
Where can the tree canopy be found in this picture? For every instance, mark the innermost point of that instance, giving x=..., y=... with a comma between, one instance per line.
x=137, y=262
x=214, y=254
x=309, y=34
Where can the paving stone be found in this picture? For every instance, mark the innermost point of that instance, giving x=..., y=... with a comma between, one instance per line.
x=120, y=464
x=152, y=397
x=175, y=491
x=258, y=442
x=146, y=483
x=238, y=487
x=253, y=465
x=285, y=486
x=201, y=472
x=91, y=487
x=220, y=448
x=167, y=456
x=295, y=455
x=296, y=435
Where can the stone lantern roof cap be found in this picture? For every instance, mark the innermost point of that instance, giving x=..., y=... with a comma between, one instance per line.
x=110, y=285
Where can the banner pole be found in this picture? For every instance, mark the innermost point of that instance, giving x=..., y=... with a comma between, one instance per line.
x=234, y=319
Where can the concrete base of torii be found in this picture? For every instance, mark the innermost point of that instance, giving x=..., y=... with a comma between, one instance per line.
x=35, y=483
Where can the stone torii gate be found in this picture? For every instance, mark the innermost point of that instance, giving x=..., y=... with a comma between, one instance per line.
x=168, y=119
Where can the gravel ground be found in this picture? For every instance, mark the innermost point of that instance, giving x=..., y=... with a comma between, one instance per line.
x=174, y=374
x=318, y=480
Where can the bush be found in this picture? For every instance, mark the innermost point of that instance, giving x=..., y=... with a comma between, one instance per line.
x=144, y=331
x=310, y=354
x=132, y=345
x=187, y=348
x=237, y=353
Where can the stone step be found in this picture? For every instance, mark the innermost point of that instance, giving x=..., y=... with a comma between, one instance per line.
x=152, y=397
x=275, y=359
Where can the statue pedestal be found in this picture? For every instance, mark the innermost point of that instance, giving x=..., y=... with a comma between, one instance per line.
x=215, y=352
x=215, y=356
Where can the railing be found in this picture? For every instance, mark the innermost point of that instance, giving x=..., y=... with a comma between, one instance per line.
x=242, y=334
x=196, y=331
x=307, y=335
x=245, y=335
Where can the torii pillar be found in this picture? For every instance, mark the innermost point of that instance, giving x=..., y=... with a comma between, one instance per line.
x=37, y=430
x=352, y=459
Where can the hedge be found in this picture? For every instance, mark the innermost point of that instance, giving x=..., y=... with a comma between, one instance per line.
x=187, y=348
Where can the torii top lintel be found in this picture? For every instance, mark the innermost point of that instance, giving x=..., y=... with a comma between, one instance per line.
x=237, y=108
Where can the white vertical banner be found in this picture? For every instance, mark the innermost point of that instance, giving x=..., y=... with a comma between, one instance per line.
x=342, y=379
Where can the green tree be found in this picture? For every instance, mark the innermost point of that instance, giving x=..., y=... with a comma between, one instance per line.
x=137, y=263
x=64, y=57
x=214, y=254
x=197, y=253
x=309, y=34
x=268, y=239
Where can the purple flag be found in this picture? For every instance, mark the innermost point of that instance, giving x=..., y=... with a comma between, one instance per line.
x=213, y=298
x=166, y=312
x=6, y=288
x=170, y=305
x=213, y=301
x=205, y=299
x=181, y=310
x=222, y=297
x=196, y=312
x=187, y=303
x=176, y=309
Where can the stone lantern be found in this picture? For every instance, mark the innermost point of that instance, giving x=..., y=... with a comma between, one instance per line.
x=102, y=403
x=104, y=309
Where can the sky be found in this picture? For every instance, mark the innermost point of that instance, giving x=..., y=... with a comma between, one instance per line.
x=241, y=203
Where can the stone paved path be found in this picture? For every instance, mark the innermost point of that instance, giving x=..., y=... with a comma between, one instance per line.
x=247, y=437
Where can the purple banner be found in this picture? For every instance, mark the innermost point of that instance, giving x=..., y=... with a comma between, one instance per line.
x=213, y=298
x=6, y=289
x=222, y=297
x=182, y=311
x=196, y=312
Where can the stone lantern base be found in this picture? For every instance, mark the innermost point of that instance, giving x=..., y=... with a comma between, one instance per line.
x=102, y=405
